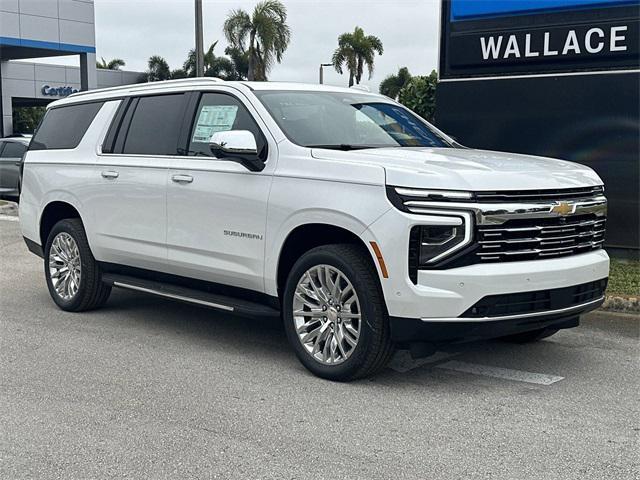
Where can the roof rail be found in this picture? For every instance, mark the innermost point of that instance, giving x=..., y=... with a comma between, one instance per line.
x=132, y=86
x=362, y=88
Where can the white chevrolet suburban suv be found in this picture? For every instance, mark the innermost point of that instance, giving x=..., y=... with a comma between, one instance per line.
x=359, y=223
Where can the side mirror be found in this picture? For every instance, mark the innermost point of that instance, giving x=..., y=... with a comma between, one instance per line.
x=237, y=146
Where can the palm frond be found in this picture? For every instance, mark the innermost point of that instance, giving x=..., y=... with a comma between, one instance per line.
x=115, y=64
x=272, y=32
x=236, y=28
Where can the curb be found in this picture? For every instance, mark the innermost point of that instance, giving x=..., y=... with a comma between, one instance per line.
x=8, y=208
x=621, y=304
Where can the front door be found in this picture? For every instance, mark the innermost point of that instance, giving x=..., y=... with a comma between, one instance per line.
x=216, y=210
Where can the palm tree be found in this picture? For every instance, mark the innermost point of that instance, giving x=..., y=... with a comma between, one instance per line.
x=214, y=66
x=158, y=69
x=355, y=50
x=392, y=85
x=113, y=64
x=240, y=62
x=178, y=73
x=264, y=36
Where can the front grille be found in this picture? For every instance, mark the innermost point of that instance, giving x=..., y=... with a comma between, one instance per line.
x=508, y=225
x=538, y=195
x=537, y=301
x=537, y=238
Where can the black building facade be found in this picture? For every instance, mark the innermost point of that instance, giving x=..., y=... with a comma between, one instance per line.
x=557, y=78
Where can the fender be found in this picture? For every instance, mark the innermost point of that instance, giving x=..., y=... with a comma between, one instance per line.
x=273, y=246
x=64, y=197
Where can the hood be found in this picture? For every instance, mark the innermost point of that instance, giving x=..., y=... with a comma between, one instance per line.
x=468, y=169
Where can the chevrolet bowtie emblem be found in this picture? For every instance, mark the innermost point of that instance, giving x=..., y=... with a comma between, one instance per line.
x=563, y=208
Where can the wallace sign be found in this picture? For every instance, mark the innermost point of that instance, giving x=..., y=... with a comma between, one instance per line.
x=492, y=38
x=613, y=44
x=555, y=78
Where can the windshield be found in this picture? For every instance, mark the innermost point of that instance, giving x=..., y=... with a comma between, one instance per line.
x=347, y=121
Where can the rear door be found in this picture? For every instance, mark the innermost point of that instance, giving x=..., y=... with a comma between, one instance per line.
x=10, y=156
x=130, y=207
x=217, y=209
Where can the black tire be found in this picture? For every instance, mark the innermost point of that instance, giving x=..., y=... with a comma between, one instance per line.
x=92, y=292
x=374, y=348
x=532, y=336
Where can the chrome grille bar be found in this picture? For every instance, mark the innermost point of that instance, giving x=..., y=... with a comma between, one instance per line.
x=540, y=241
x=566, y=194
x=545, y=251
x=586, y=223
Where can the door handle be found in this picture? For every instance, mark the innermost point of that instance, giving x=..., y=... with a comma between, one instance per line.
x=182, y=178
x=110, y=174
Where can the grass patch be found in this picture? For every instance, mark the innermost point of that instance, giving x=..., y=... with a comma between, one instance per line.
x=624, y=278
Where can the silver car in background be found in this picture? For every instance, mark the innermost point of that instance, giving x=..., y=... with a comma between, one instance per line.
x=11, y=152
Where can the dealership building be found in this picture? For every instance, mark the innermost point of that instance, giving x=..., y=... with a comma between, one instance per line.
x=557, y=78
x=51, y=28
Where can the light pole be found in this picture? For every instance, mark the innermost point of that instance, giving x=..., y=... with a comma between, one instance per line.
x=322, y=71
x=199, y=41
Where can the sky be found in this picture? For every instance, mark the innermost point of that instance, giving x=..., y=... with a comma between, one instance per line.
x=136, y=29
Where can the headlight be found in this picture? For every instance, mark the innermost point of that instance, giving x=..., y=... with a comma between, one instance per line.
x=433, y=243
x=436, y=240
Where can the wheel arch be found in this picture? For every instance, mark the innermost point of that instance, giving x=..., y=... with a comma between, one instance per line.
x=304, y=237
x=52, y=213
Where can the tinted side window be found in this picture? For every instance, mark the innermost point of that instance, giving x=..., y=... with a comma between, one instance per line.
x=64, y=127
x=218, y=112
x=155, y=125
x=13, y=150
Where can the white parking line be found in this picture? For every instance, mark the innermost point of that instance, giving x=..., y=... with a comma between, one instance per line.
x=9, y=218
x=497, y=372
x=403, y=362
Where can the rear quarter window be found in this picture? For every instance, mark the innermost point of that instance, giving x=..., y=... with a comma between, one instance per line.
x=64, y=127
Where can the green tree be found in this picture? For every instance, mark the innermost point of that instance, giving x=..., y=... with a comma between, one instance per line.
x=264, y=36
x=419, y=94
x=240, y=62
x=214, y=66
x=392, y=85
x=157, y=69
x=355, y=51
x=26, y=119
x=113, y=64
x=178, y=73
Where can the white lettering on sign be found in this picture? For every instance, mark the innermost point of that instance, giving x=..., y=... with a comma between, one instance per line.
x=571, y=43
x=527, y=47
x=491, y=47
x=512, y=47
x=593, y=41
x=588, y=40
x=548, y=52
x=615, y=38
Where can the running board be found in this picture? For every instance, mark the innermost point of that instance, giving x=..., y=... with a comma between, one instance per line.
x=188, y=295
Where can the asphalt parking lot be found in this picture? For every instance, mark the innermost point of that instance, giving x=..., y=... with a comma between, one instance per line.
x=147, y=388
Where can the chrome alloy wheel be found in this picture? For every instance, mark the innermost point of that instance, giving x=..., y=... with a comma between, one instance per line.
x=65, y=269
x=326, y=314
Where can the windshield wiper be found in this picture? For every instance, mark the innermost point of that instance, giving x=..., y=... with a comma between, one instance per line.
x=342, y=146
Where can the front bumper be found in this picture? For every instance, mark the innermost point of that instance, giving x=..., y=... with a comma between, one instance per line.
x=459, y=330
x=449, y=293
